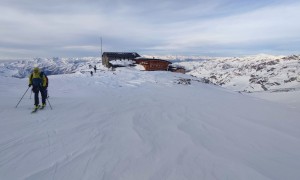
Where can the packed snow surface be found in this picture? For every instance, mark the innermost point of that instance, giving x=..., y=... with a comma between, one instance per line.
x=129, y=124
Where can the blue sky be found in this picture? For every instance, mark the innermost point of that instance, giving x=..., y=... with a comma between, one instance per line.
x=72, y=28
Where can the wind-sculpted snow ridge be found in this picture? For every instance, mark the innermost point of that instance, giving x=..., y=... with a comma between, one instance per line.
x=249, y=74
x=51, y=66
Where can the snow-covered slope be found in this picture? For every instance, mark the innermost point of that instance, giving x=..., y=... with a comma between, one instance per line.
x=250, y=74
x=129, y=124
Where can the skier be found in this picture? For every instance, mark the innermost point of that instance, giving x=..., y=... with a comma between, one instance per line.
x=91, y=73
x=95, y=68
x=38, y=81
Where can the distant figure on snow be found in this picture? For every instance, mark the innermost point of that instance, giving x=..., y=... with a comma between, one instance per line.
x=91, y=73
x=95, y=68
x=39, y=82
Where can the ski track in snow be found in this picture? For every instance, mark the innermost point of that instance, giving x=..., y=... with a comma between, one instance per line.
x=141, y=125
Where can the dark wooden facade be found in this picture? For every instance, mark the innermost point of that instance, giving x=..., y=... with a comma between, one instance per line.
x=153, y=64
x=110, y=56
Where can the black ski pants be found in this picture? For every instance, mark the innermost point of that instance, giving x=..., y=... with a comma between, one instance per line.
x=36, y=91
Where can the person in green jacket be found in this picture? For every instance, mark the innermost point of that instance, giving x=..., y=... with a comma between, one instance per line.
x=38, y=81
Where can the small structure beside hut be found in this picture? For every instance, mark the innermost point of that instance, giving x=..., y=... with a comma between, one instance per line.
x=148, y=63
x=177, y=69
x=153, y=64
x=111, y=56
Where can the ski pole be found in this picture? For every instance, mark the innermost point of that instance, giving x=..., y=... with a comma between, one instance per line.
x=49, y=103
x=22, y=97
x=30, y=94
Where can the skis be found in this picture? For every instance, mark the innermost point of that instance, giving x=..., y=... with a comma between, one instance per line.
x=37, y=108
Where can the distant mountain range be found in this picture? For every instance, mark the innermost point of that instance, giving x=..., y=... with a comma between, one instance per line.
x=51, y=66
x=248, y=74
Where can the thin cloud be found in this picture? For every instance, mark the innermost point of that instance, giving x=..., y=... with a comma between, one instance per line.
x=74, y=28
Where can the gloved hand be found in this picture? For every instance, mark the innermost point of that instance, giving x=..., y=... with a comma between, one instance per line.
x=29, y=85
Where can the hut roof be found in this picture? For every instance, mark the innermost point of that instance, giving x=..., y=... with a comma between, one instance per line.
x=124, y=55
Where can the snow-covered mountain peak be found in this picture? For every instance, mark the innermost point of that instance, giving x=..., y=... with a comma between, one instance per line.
x=251, y=73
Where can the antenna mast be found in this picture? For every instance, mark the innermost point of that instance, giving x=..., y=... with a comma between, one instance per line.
x=101, y=46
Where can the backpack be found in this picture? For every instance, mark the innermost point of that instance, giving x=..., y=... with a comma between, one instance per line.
x=41, y=76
